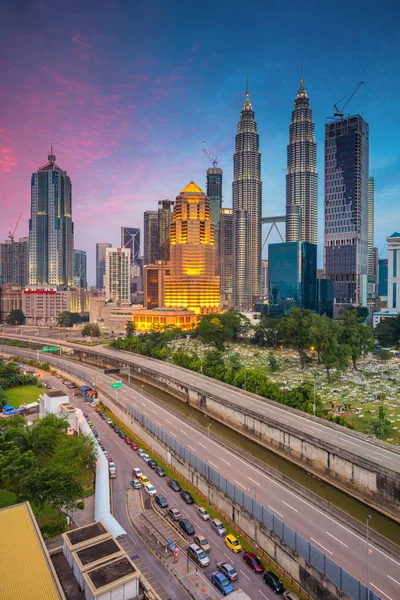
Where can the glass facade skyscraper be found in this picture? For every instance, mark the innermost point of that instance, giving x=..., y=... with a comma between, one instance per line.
x=80, y=269
x=383, y=277
x=371, y=258
x=247, y=202
x=346, y=208
x=14, y=259
x=292, y=269
x=164, y=223
x=225, y=253
x=214, y=192
x=301, y=177
x=130, y=239
x=51, y=230
x=150, y=237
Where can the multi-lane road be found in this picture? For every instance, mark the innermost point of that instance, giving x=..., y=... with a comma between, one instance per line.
x=340, y=543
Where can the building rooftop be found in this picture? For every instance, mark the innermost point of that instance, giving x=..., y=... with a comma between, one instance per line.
x=55, y=394
x=85, y=533
x=395, y=235
x=26, y=571
x=111, y=572
x=192, y=188
x=98, y=551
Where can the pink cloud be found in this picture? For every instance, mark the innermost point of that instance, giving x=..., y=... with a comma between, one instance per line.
x=81, y=41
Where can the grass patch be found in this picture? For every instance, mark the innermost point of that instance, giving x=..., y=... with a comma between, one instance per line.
x=7, y=498
x=23, y=394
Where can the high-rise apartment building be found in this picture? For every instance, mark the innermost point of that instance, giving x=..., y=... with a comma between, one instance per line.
x=264, y=279
x=214, y=192
x=101, y=263
x=130, y=239
x=346, y=208
x=14, y=261
x=225, y=253
x=247, y=202
x=192, y=282
x=117, y=275
x=80, y=269
x=383, y=277
x=164, y=223
x=301, y=177
x=51, y=230
x=393, y=243
x=150, y=236
x=371, y=258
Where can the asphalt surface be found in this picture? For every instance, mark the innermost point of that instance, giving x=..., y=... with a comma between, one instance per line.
x=341, y=544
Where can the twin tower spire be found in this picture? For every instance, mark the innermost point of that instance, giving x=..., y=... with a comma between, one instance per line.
x=301, y=194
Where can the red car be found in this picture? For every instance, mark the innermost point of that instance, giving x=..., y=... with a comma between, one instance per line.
x=134, y=446
x=98, y=410
x=127, y=441
x=253, y=561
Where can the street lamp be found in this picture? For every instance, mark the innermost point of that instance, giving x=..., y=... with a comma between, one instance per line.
x=255, y=521
x=368, y=518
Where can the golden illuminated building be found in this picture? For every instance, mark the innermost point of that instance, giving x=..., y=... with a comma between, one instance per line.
x=192, y=282
x=163, y=318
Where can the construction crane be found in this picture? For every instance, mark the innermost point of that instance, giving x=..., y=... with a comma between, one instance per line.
x=212, y=159
x=340, y=113
x=11, y=234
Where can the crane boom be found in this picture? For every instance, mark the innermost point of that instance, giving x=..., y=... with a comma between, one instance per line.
x=340, y=112
x=11, y=234
x=213, y=159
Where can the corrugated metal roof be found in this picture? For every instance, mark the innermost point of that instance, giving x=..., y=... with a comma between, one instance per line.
x=26, y=571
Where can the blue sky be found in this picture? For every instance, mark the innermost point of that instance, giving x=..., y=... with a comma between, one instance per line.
x=128, y=91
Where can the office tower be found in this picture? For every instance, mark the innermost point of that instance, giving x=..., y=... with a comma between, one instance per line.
x=383, y=277
x=130, y=239
x=393, y=281
x=117, y=276
x=150, y=236
x=164, y=223
x=154, y=284
x=292, y=275
x=214, y=192
x=80, y=269
x=192, y=282
x=346, y=208
x=51, y=231
x=225, y=252
x=264, y=279
x=301, y=177
x=14, y=261
x=325, y=297
x=247, y=199
x=371, y=191
x=101, y=263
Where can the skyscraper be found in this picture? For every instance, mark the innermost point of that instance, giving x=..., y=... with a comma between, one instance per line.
x=80, y=269
x=214, y=192
x=117, y=275
x=154, y=284
x=225, y=256
x=192, y=282
x=346, y=208
x=101, y=263
x=130, y=239
x=371, y=258
x=14, y=260
x=51, y=230
x=164, y=223
x=150, y=237
x=247, y=200
x=301, y=177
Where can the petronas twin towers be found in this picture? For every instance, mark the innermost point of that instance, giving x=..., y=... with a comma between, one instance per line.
x=301, y=195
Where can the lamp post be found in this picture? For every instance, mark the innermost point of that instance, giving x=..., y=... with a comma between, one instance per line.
x=368, y=518
x=255, y=521
x=314, y=404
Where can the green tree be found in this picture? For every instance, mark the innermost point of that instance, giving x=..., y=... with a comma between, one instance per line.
x=387, y=332
x=272, y=363
x=355, y=335
x=129, y=329
x=326, y=335
x=267, y=332
x=210, y=330
x=77, y=453
x=187, y=360
x=213, y=364
x=381, y=426
x=14, y=465
x=385, y=355
x=296, y=331
x=16, y=317
x=91, y=329
x=67, y=318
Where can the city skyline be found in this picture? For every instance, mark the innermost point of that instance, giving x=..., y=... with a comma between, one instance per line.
x=110, y=104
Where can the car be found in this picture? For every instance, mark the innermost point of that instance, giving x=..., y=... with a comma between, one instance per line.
x=146, y=457
x=141, y=452
x=98, y=410
x=152, y=464
x=89, y=422
x=222, y=583
x=134, y=446
x=175, y=514
x=109, y=422
x=161, y=501
x=136, y=473
x=273, y=582
x=112, y=474
x=135, y=483
x=187, y=527
x=103, y=416
x=93, y=404
x=198, y=555
x=94, y=431
x=160, y=471
x=109, y=458
x=218, y=527
x=65, y=381
x=127, y=441
x=76, y=393
x=186, y=497
x=150, y=489
x=111, y=466
x=48, y=386
x=228, y=570
x=117, y=430
x=290, y=596
x=203, y=514
x=122, y=435
x=144, y=480
x=174, y=485
x=233, y=544
x=253, y=561
x=202, y=542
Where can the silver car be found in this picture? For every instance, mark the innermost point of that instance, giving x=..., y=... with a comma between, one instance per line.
x=218, y=527
x=198, y=555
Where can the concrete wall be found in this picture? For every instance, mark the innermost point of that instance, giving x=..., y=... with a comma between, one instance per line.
x=353, y=474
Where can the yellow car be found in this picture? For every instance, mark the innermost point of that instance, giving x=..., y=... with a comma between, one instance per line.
x=144, y=480
x=233, y=544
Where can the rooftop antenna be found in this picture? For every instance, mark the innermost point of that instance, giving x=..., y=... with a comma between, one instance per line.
x=247, y=84
x=301, y=72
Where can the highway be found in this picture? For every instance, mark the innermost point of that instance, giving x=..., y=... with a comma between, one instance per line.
x=340, y=543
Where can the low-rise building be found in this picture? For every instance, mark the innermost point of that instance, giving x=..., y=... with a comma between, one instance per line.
x=160, y=318
x=10, y=299
x=109, y=315
x=41, y=306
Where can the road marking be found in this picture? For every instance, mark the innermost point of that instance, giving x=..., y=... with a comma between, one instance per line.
x=274, y=509
x=184, y=432
x=154, y=411
x=159, y=424
x=374, y=457
x=241, y=485
x=174, y=434
x=244, y=574
x=295, y=509
x=398, y=582
x=191, y=448
x=167, y=421
x=145, y=413
x=215, y=466
x=323, y=547
x=225, y=461
x=380, y=591
x=228, y=557
x=256, y=482
x=203, y=446
x=262, y=594
x=335, y=538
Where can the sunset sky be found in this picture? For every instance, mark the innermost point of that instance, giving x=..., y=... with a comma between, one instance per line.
x=128, y=90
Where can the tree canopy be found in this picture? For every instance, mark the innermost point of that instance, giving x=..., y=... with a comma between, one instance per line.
x=67, y=318
x=16, y=317
x=91, y=329
x=217, y=329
